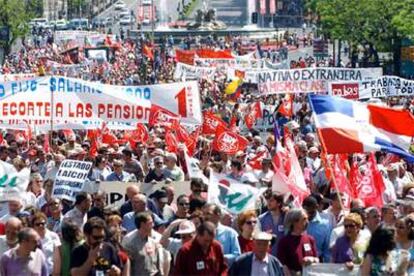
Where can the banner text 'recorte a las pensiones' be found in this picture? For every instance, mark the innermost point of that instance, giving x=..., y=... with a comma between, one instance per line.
x=78, y=102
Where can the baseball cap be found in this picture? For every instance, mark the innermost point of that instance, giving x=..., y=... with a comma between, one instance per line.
x=186, y=227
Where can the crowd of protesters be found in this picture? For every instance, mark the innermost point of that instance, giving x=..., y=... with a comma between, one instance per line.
x=164, y=233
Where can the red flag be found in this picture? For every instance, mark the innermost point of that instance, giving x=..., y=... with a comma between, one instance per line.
x=171, y=141
x=191, y=142
x=229, y=142
x=180, y=131
x=253, y=113
x=107, y=136
x=94, y=136
x=233, y=123
x=46, y=145
x=140, y=134
x=210, y=53
x=186, y=57
x=286, y=107
x=288, y=177
x=148, y=52
x=369, y=185
x=256, y=161
x=162, y=116
x=211, y=122
x=340, y=172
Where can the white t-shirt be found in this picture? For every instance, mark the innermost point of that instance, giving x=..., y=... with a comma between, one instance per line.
x=49, y=242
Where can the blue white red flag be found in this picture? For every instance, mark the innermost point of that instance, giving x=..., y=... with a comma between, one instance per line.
x=347, y=126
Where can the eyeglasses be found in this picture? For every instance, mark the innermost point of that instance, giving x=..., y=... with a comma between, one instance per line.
x=349, y=225
x=159, y=163
x=184, y=204
x=251, y=222
x=40, y=224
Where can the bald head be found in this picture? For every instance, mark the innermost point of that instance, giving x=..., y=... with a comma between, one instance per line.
x=132, y=190
x=12, y=227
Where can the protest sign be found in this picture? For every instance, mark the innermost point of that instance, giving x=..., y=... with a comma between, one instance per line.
x=82, y=104
x=12, y=183
x=16, y=77
x=382, y=87
x=189, y=72
x=116, y=196
x=329, y=269
x=307, y=80
x=70, y=179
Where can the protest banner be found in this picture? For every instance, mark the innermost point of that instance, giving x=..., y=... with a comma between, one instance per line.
x=70, y=179
x=382, y=87
x=12, y=183
x=75, y=103
x=116, y=196
x=307, y=80
x=189, y=72
x=16, y=77
x=329, y=269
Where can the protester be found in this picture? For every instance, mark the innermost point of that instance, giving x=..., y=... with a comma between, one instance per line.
x=258, y=262
x=186, y=230
x=34, y=262
x=201, y=256
x=78, y=214
x=297, y=249
x=95, y=255
x=381, y=256
x=247, y=222
x=10, y=240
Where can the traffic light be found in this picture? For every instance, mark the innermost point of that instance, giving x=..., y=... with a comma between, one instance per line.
x=255, y=16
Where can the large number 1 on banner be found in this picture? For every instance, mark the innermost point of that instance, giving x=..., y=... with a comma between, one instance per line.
x=182, y=102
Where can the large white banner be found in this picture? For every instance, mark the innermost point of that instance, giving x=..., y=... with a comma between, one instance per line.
x=189, y=72
x=12, y=183
x=70, y=179
x=307, y=80
x=386, y=86
x=16, y=77
x=75, y=103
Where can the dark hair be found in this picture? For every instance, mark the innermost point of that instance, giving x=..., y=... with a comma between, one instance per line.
x=142, y=217
x=181, y=197
x=237, y=164
x=37, y=216
x=25, y=234
x=196, y=203
x=196, y=182
x=382, y=241
x=99, y=159
x=81, y=197
x=70, y=232
x=94, y=223
x=206, y=227
x=216, y=208
x=309, y=201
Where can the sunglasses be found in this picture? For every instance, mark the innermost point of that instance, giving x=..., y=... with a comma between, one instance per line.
x=184, y=204
x=251, y=222
x=40, y=224
x=98, y=238
x=349, y=226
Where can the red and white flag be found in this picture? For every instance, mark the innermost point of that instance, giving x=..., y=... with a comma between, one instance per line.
x=254, y=112
x=368, y=185
x=162, y=116
x=211, y=122
x=171, y=141
x=229, y=142
x=340, y=173
x=288, y=176
x=286, y=107
x=256, y=161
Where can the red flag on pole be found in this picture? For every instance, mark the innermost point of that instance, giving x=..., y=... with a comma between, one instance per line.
x=211, y=122
x=229, y=142
x=161, y=116
x=253, y=113
x=286, y=107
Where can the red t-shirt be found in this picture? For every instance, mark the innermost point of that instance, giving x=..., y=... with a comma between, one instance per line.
x=245, y=245
x=2, y=229
x=292, y=249
x=191, y=260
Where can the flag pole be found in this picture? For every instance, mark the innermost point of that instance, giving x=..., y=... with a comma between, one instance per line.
x=328, y=164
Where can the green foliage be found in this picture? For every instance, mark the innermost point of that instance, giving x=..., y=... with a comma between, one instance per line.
x=367, y=22
x=15, y=16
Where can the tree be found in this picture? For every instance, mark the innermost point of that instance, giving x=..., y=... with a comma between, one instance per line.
x=376, y=25
x=15, y=17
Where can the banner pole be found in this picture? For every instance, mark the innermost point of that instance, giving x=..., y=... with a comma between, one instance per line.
x=52, y=109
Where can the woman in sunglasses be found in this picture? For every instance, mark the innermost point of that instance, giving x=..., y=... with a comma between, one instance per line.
x=49, y=240
x=404, y=230
x=349, y=249
x=247, y=222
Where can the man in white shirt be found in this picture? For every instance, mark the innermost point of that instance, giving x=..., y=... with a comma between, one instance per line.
x=8, y=241
x=78, y=214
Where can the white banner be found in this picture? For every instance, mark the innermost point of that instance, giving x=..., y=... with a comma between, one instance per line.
x=308, y=80
x=75, y=103
x=12, y=183
x=70, y=179
x=330, y=270
x=16, y=77
x=386, y=86
x=189, y=72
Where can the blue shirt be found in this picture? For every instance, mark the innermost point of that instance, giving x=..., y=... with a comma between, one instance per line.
x=268, y=225
x=228, y=239
x=320, y=229
x=115, y=177
x=128, y=221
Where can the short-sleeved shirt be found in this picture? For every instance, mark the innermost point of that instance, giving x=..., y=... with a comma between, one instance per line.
x=142, y=253
x=108, y=257
x=11, y=264
x=49, y=242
